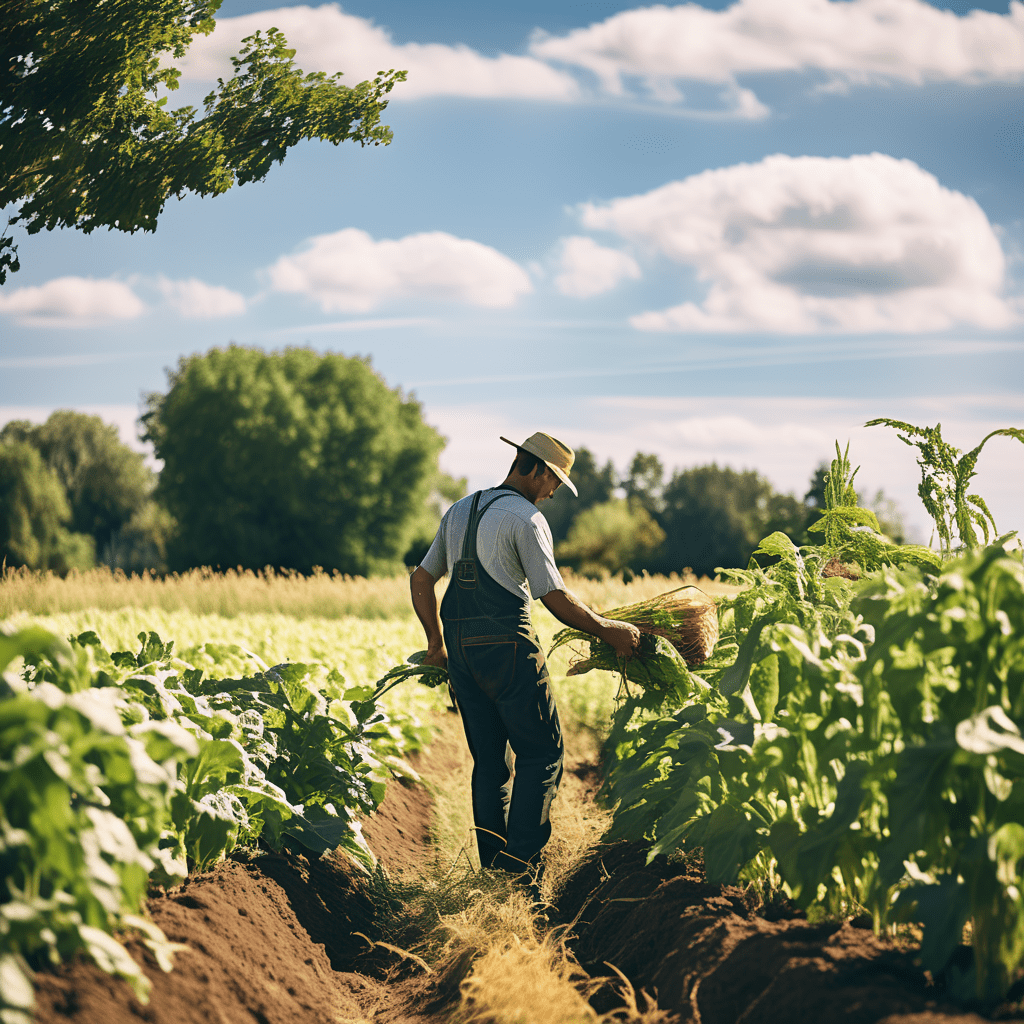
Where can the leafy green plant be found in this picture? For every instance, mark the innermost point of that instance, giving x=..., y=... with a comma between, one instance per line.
x=852, y=533
x=117, y=769
x=85, y=799
x=858, y=743
x=946, y=473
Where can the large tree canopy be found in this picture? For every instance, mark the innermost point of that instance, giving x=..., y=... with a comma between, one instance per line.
x=86, y=143
x=104, y=481
x=290, y=459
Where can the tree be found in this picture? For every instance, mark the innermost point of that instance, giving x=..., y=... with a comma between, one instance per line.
x=105, y=482
x=141, y=543
x=609, y=537
x=715, y=517
x=445, y=492
x=644, y=481
x=289, y=459
x=85, y=143
x=595, y=485
x=33, y=511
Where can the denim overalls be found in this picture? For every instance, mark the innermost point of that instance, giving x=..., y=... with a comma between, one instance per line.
x=500, y=680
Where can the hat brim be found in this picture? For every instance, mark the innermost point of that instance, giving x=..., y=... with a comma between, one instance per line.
x=560, y=473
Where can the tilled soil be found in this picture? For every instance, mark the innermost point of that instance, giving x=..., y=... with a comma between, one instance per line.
x=710, y=958
x=280, y=939
x=272, y=939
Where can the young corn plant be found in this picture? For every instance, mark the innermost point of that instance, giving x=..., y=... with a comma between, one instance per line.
x=946, y=473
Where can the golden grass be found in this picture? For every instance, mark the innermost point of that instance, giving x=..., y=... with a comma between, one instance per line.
x=205, y=592
x=241, y=592
x=529, y=978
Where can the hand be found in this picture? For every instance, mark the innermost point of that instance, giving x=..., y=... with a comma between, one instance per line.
x=624, y=637
x=437, y=656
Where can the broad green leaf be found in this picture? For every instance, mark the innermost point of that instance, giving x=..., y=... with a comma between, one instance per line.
x=764, y=686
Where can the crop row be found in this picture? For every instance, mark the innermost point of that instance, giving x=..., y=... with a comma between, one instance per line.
x=855, y=740
x=123, y=770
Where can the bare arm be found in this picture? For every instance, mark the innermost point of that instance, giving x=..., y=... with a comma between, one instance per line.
x=567, y=608
x=424, y=600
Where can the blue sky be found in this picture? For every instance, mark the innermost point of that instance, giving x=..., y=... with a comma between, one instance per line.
x=729, y=232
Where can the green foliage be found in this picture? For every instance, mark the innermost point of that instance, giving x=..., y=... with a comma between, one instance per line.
x=858, y=743
x=290, y=459
x=715, y=516
x=105, y=482
x=33, y=514
x=84, y=801
x=446, y=490
x=141, y=543
x=853, y=534
x=125, y=768
x=607, y=538
x=946, y=473
x=644, y=481
x=595, y=484
x=85, y=143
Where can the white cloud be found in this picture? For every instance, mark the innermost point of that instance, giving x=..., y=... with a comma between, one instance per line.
x=589, y=269
x=350, y=272
x=327, y=39
x=851, y=41
x=814, y=244
x=72, y=302
x=197, y=300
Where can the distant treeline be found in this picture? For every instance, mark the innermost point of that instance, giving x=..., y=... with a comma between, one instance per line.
x=701, y=519
x=295, y=460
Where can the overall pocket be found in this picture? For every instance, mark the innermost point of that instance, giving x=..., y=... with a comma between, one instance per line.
x=492, y=662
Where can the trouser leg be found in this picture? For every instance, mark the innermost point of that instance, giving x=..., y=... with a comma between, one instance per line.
x=505, y=699
x=492, y=773
x=531, y=719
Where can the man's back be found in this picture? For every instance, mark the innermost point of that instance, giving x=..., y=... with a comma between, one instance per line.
x=514, y=543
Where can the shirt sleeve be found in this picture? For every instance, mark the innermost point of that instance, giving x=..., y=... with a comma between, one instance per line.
x=435, y=561
x=537, y=554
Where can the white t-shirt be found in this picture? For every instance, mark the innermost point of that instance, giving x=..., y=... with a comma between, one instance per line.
x=513, y=543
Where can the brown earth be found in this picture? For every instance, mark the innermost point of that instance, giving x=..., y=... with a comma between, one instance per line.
x=712, y=959
x=272, y=939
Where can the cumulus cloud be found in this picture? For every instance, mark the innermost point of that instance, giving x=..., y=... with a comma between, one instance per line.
x=801, y=244
x=590, y=269
x=197, y=300
x=72, y=302
x=350, y=272
x=851, y=41
x=327, y=39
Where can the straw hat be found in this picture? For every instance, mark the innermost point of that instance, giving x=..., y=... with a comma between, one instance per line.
x=557, y=456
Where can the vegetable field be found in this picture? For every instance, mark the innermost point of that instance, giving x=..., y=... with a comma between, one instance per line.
x=836, y=737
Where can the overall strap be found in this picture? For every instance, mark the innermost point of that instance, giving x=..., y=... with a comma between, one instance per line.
x=469, y=541
x=472, y=515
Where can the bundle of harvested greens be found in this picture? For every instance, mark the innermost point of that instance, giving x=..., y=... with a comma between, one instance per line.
x=681, y=630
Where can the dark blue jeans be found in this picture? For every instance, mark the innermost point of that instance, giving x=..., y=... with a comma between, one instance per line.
x=502, y=689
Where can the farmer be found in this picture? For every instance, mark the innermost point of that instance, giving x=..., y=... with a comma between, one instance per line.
x=494, y=543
